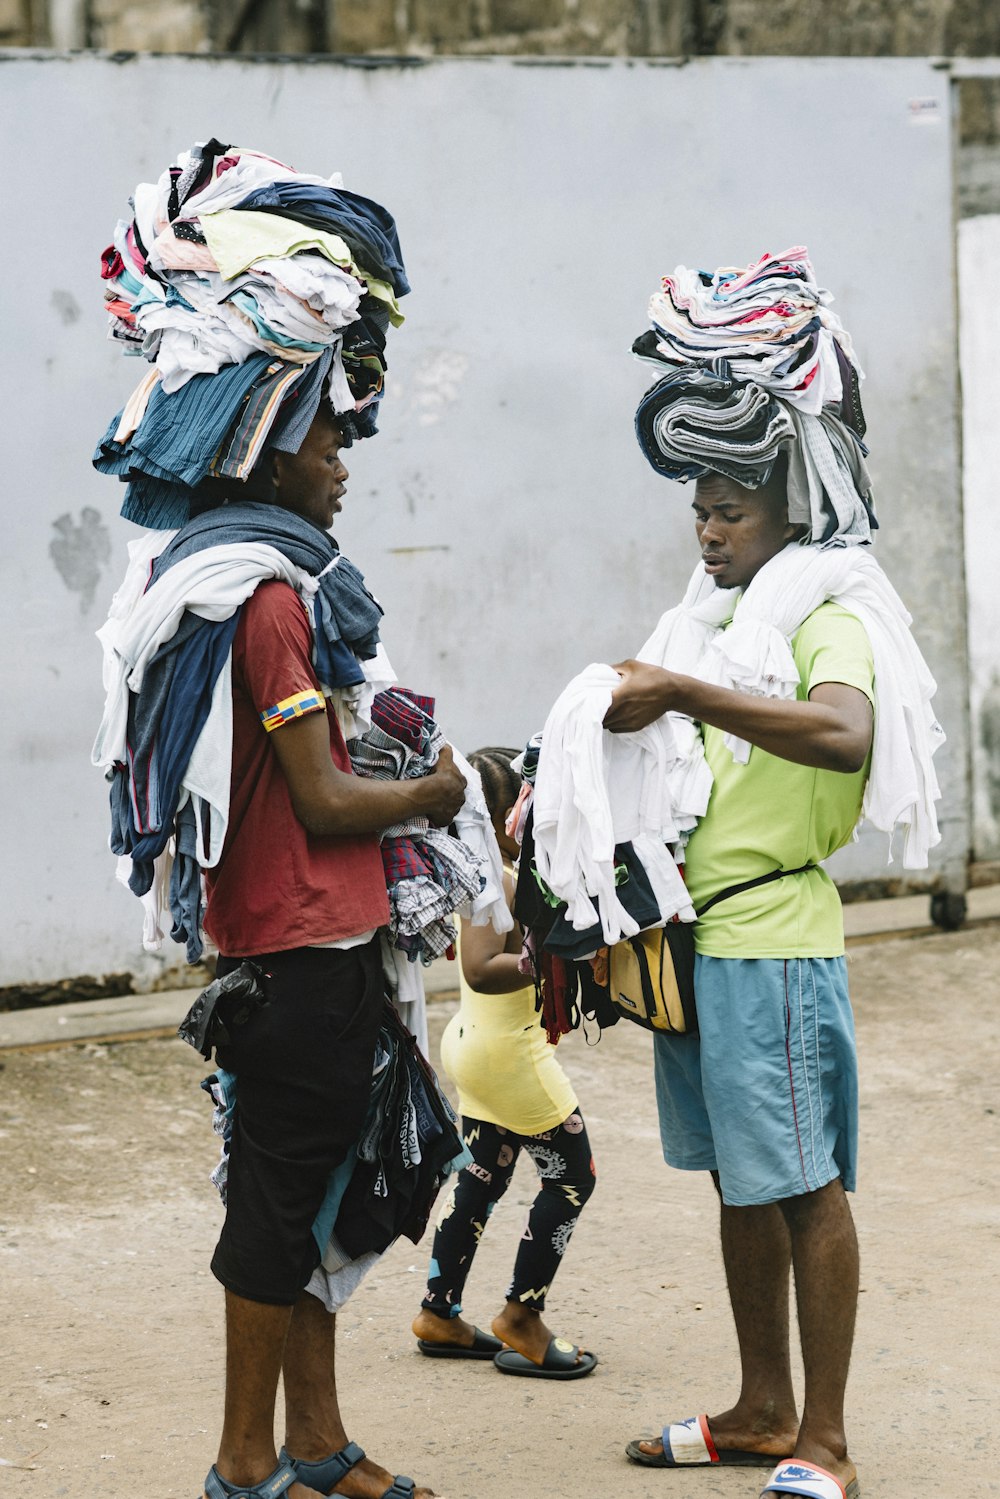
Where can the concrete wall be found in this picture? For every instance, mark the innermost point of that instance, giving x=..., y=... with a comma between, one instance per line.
x=555, y=28
x=504, y=514
x=979, y=271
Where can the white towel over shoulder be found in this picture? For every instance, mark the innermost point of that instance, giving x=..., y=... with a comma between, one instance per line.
x=754, y=655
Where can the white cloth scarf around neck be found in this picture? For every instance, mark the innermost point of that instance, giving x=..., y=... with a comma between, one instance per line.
x=754, y=655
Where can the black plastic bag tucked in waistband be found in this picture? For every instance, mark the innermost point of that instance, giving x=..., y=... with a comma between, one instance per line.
x=225, y=1004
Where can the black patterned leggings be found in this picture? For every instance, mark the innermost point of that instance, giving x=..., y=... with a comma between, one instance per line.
x=566, y=1168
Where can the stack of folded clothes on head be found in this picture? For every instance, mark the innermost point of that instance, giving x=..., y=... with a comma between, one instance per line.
x=770, y=322
x=754, y=364
x=251, y=289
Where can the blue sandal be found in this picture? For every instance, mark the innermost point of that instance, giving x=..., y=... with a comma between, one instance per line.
x=324, y=1476
x=280, y=1481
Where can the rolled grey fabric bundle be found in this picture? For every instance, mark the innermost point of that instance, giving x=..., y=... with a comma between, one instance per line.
x=693, y=422
x=703, y=417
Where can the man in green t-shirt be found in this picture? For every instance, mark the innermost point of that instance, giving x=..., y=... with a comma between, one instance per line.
x=765, y=1097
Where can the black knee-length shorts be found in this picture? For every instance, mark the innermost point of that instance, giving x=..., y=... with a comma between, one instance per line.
x=303, y=1066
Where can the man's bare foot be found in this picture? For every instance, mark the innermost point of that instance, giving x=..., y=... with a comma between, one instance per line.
x=837, y=1463
x=523, y=1329
x=366, y=1480
x=431, y=1328
x=736, y=1430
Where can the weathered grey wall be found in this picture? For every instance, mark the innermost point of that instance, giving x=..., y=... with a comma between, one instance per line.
x=505, y=514
x=979, y=273
x=555, y=28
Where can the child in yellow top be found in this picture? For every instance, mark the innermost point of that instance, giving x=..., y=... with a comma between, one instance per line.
x=512, y=1094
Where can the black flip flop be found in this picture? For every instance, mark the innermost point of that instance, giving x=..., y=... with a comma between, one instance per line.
x=729, y=1457
x=482, y=1346
x=689, y=1445
x=563, y=1360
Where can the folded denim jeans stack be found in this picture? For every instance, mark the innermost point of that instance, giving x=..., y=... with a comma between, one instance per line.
x=255, y=292
x=755, y=364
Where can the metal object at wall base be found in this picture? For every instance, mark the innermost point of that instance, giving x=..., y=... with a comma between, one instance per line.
x=948, y=910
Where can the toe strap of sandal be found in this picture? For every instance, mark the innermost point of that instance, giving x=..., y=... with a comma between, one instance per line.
x=279, y=1482
x=329, y=1471
x=804, y=1480
x=400, y=1488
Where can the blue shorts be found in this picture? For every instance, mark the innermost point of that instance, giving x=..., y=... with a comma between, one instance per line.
x=767, y=1093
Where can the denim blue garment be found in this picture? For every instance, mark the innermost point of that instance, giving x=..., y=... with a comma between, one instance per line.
x=173, y=448
x=155, y=503
x=185, y=885
x=300, y=406
x=166, y=718
x=164, y=722
x=123, y=828
x=181, y=433
x=114, y=457
x=368, y=229
x=343, y=609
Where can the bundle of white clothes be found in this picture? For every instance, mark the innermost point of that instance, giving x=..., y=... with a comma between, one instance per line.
x=594, y=790
x=754, y=655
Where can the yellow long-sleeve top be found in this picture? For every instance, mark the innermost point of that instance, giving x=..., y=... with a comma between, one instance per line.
x=495, y=1052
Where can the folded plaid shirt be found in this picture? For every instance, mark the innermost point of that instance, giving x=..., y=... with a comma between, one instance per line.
x=433, y=941
x=454, y=864
x=402, y=859
x=381, y=754
x=428, y=872
x=416, y=903
x=406, y=716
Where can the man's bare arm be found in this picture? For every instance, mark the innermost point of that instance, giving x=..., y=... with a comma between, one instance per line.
x=328, y=800
x=832, y=730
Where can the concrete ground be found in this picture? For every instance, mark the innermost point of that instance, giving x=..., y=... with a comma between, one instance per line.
x=111, y=1369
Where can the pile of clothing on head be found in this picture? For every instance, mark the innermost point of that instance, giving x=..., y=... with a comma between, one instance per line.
x=756, y=366
x=254, y=291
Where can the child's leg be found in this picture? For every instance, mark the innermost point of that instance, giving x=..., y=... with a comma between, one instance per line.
x=463, y=1219
x=566, y=1167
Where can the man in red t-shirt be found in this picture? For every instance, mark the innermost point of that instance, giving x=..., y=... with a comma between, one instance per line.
x=300, y=889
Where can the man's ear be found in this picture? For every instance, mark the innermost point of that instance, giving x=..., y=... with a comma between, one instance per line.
x=262, y=483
